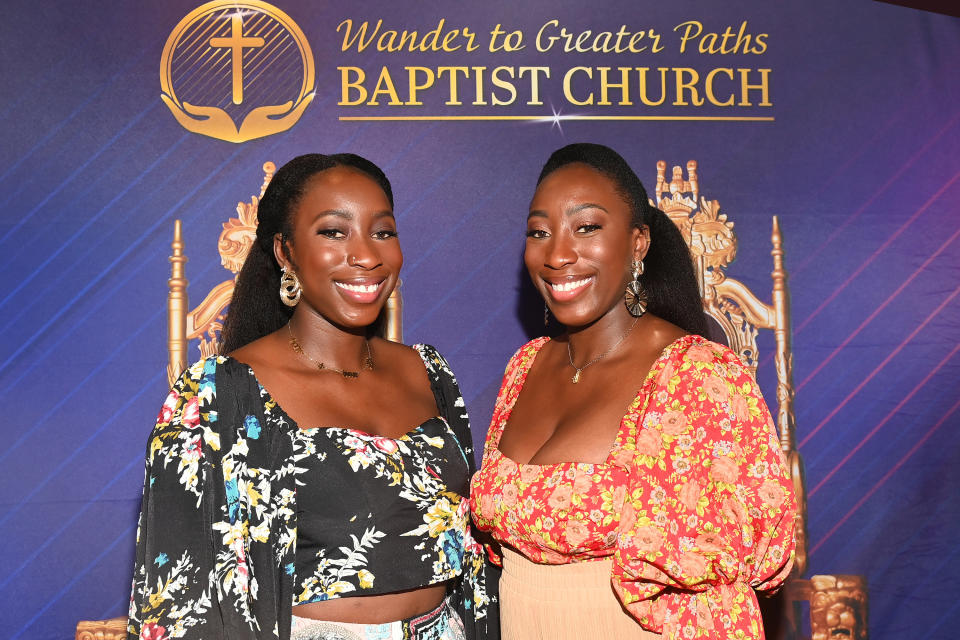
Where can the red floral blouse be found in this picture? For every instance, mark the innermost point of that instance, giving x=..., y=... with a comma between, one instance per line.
x=693, y=502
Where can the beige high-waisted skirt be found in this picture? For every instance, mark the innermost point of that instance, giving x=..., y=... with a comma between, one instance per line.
x=562, y=602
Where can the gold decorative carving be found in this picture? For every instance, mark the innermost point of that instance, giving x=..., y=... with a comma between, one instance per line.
x=112, y=629
x=841, y=601
x=177, y=307
x=838, y=606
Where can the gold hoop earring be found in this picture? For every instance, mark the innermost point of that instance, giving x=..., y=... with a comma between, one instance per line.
x=635, y=297
x=289, y=287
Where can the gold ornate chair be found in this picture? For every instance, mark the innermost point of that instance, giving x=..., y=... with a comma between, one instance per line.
x=203, y=324
x=838, y=604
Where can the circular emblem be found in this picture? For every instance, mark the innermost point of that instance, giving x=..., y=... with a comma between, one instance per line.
x=237, y=71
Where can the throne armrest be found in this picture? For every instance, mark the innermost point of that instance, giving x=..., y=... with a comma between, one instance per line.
x=112, y=629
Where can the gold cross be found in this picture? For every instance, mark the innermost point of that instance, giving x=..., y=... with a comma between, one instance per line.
x=236, y=42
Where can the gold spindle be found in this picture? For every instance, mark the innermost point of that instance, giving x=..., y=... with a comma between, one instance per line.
x=177, y=308
x=786, y=421
x=784, y=363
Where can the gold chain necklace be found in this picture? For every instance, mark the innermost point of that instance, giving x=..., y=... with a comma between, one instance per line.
x=576, y=376
x=367, y=361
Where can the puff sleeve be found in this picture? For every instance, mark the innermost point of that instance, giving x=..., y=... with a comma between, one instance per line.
x=171, y=593
x=709, y=514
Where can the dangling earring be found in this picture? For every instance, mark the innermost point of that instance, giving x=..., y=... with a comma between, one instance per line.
x=289, y=287
x=546, y=314
x=635, y=296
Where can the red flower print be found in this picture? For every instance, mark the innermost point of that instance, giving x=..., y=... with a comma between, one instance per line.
x=733, y=511
x=510, y=495
x=724, y=470
x=709, y=543
x=153, y=631
x=576, y=533
x=529, y=473
x=486, y=506
x=771, y=493
x=704, y=618
x=560, y=498
x=727, y=594
x=700, y=353
x=190, y=417
x=624, y=457
x=674, y=423
x=695, y=437
x=715, y=388
x=387, y=445
x=740, y=408
x=649, y=443
x=690, y=495
x=648, y=539
x=619, y=493
x=169, y=406
x=693, y=565
x=669, y=370
x=582, y=483
x=628, y=517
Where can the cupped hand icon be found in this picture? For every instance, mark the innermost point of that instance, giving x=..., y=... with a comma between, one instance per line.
x=216, y=123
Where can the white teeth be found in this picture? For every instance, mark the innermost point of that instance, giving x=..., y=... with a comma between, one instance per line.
x=359, y=288
x=569, y=286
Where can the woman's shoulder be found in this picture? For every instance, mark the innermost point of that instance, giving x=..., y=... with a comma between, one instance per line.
x=436, y=365
x=697, y=360
x=193, y=396
x=527, y=352
x=203, y=373
x=697, y=350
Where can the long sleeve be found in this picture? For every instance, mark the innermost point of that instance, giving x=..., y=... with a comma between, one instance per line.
x=709, y=511
x=217, y=526
x=171, y=591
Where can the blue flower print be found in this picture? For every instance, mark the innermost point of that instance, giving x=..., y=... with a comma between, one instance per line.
x=233, y=499
x=253, y=427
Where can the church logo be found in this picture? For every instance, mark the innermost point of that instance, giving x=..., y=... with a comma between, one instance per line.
x=237, y=71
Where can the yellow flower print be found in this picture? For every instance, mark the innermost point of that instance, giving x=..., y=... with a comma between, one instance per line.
x=366, y=579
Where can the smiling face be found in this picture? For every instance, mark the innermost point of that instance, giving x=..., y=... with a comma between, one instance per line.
x=580, y=244
x=343, y=247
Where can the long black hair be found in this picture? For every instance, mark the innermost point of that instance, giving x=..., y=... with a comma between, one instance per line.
x=256, y=309
x=668, y=275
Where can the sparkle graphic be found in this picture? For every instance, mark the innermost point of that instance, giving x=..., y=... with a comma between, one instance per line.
x=556, y=119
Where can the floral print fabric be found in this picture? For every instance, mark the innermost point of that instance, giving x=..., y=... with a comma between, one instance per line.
x=218, y=538
x=694, y=501
x=417, y=481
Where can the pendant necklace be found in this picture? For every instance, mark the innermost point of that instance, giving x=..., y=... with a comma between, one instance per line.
x=367, y=360
x=578, y=370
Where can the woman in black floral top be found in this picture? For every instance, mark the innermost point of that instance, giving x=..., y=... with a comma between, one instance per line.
x=311, y=483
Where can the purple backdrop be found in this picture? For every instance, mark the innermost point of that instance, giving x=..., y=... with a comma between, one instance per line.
x=860, y=161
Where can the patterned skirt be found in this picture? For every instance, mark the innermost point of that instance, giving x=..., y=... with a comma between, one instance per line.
x=442, y=623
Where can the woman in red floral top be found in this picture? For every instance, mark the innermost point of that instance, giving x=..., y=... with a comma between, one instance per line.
x=630, y=452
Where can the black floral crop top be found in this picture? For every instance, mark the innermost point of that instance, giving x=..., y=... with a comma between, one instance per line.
x=394, y=513
x=245, y=515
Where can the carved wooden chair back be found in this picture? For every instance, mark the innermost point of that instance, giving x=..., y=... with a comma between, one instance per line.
x=740, y=314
